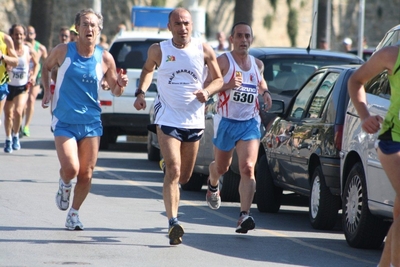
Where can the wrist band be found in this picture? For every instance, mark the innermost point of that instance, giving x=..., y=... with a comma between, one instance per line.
x=119, y=84
x=266, y=91
x=208, y=93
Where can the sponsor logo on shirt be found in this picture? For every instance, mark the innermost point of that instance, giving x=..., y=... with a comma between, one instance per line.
x=170, y=58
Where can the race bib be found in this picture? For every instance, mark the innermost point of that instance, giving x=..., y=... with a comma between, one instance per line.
x=245, y=94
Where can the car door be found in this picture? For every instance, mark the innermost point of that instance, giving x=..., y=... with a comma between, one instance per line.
x=379, y=188
x=283, y=129
x=308, y=133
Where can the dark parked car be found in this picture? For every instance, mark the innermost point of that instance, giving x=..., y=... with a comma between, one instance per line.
x=300, y=152
x=285, y=70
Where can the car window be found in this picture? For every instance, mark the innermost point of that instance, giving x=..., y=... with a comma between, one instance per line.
x=319, y=100
x=379, y=85
x=131, y=54
x=302, y=99
x=286, y=76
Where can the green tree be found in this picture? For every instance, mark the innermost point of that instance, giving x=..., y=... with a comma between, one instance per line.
x=158, y=2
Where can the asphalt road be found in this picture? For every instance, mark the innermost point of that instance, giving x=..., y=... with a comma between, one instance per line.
x=125, y=223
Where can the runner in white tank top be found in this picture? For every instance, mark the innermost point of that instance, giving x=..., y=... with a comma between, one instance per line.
x=181, y=73
x=240, y=103
x=179, y=108
x=237, y=124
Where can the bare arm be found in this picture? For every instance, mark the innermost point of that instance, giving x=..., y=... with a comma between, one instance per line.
x=116, y=81
x=11, y=58
x=55, y=59
x=262, y=85
x=36, y=67
x=214, y=72
x=382, y=60
x=146, y=76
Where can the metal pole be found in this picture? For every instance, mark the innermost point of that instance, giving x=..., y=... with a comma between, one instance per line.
x=360, y=47
x=314, y=20
x=328, y=23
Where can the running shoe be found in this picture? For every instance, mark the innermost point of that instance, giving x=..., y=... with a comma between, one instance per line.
x=26, y=132
x=175, y=234
x=62, y=196
x=7, y=146
x=15, y=143
x=213, y=198
x=245, y=224
x=73, y=222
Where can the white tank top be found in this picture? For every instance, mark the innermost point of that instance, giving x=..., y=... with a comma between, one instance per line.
x=240, y=103
x=180, y=74
x=19, y=74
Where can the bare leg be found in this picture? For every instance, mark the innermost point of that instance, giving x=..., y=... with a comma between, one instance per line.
x=19, y=106
x=220, y=165
x=391, y=252
x=247, y=155
x=179, y=158
x=30, y=105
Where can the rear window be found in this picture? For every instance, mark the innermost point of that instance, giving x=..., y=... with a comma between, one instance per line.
x=286, y=75
x=131, y=55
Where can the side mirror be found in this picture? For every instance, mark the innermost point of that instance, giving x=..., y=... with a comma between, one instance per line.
x=278, y=107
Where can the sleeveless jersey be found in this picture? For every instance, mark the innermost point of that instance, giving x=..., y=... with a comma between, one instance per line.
x=19, y=74
x=3, y=70
x=181, y=72
x=75, y=99
x=36, y=48
x=240, y=103
x=392, y=118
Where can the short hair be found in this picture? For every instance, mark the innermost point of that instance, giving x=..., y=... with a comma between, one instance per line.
x=176, y=9
x=63, y=29
x=240, y=23
x=11, y=30
x=89, y=11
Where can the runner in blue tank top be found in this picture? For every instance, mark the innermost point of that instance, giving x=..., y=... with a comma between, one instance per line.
x=76, y=111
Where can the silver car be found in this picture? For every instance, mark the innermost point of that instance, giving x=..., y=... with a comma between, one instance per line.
x=367, y=195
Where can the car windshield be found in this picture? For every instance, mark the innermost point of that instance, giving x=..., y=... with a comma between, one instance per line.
x=286, y=76
x=131, y=55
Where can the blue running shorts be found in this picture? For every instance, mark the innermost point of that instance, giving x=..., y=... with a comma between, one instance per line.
x=76, y=131
x=227, y=132
x=182, y=134
x=388, y=146
x=3, y=91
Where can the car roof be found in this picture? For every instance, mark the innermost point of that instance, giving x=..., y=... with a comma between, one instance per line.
x=296, y=51
x=142, y=35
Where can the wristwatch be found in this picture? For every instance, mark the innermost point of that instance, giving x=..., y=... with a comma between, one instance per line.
x=140, y=92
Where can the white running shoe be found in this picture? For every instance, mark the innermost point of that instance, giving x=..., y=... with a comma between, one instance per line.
x=62, y=196
x=73, y=222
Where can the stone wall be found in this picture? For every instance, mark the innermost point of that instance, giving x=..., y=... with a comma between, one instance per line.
x=379, y=17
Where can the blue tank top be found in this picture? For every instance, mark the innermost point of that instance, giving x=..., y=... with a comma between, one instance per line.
x=76, y=93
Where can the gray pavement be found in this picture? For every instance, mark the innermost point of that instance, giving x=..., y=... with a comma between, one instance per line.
x=125, y=223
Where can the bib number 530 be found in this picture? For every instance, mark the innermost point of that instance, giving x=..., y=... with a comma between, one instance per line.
x=243, y=97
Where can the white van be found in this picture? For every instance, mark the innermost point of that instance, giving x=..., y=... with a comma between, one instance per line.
x=118, y=116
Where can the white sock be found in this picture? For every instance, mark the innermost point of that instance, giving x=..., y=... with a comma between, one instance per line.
x=15, y=135
x=8, y=138
x=72, y=210
x=67, y=185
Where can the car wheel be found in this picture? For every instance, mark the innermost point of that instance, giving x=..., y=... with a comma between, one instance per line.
x=195, y=183
x=361, y=228
x=323, y=206
x=268, y=195
x=109, y=137
x=230, y=187
x=153, y=153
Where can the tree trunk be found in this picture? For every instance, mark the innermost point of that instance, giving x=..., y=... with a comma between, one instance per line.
x=243, y=11
x=41, y=20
